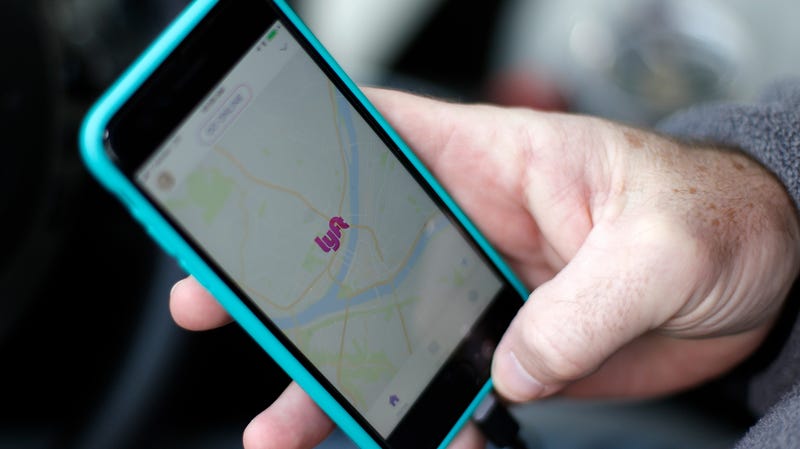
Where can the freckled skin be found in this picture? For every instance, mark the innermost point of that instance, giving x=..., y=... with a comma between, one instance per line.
x=633, y=139
x=741, y=203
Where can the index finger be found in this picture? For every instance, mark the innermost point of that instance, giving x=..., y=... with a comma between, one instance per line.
x=193, y=307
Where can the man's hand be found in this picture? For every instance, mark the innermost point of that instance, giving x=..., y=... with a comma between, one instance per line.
x=655, y=265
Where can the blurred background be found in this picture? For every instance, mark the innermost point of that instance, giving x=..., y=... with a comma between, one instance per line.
x=89, y=357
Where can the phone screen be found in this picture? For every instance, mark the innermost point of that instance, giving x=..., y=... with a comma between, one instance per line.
x=304, y=206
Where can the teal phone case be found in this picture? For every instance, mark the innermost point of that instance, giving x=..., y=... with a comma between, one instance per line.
x=98, y=162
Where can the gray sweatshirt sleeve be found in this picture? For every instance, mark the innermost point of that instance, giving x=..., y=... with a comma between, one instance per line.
x=769, y=131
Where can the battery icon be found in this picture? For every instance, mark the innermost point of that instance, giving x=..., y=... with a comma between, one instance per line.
x=271, y=35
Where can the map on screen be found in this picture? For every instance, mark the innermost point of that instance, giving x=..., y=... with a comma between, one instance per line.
x=319, y=223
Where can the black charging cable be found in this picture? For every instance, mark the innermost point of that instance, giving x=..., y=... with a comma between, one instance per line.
x=497, y=424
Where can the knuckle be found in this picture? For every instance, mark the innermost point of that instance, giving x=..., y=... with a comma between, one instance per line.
x=552, y=352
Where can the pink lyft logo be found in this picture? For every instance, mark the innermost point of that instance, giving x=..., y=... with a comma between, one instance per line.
x=330, y=241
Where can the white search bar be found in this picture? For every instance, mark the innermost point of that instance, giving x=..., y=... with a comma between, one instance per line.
x=225, y=115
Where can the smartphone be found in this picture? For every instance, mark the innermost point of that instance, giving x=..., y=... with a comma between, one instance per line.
x=249, y=156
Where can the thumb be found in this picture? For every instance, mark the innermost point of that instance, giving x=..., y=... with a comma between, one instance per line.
x=620, y=284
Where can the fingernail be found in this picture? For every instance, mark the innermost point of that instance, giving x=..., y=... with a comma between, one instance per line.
x=174, y=286
x=517, y=381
